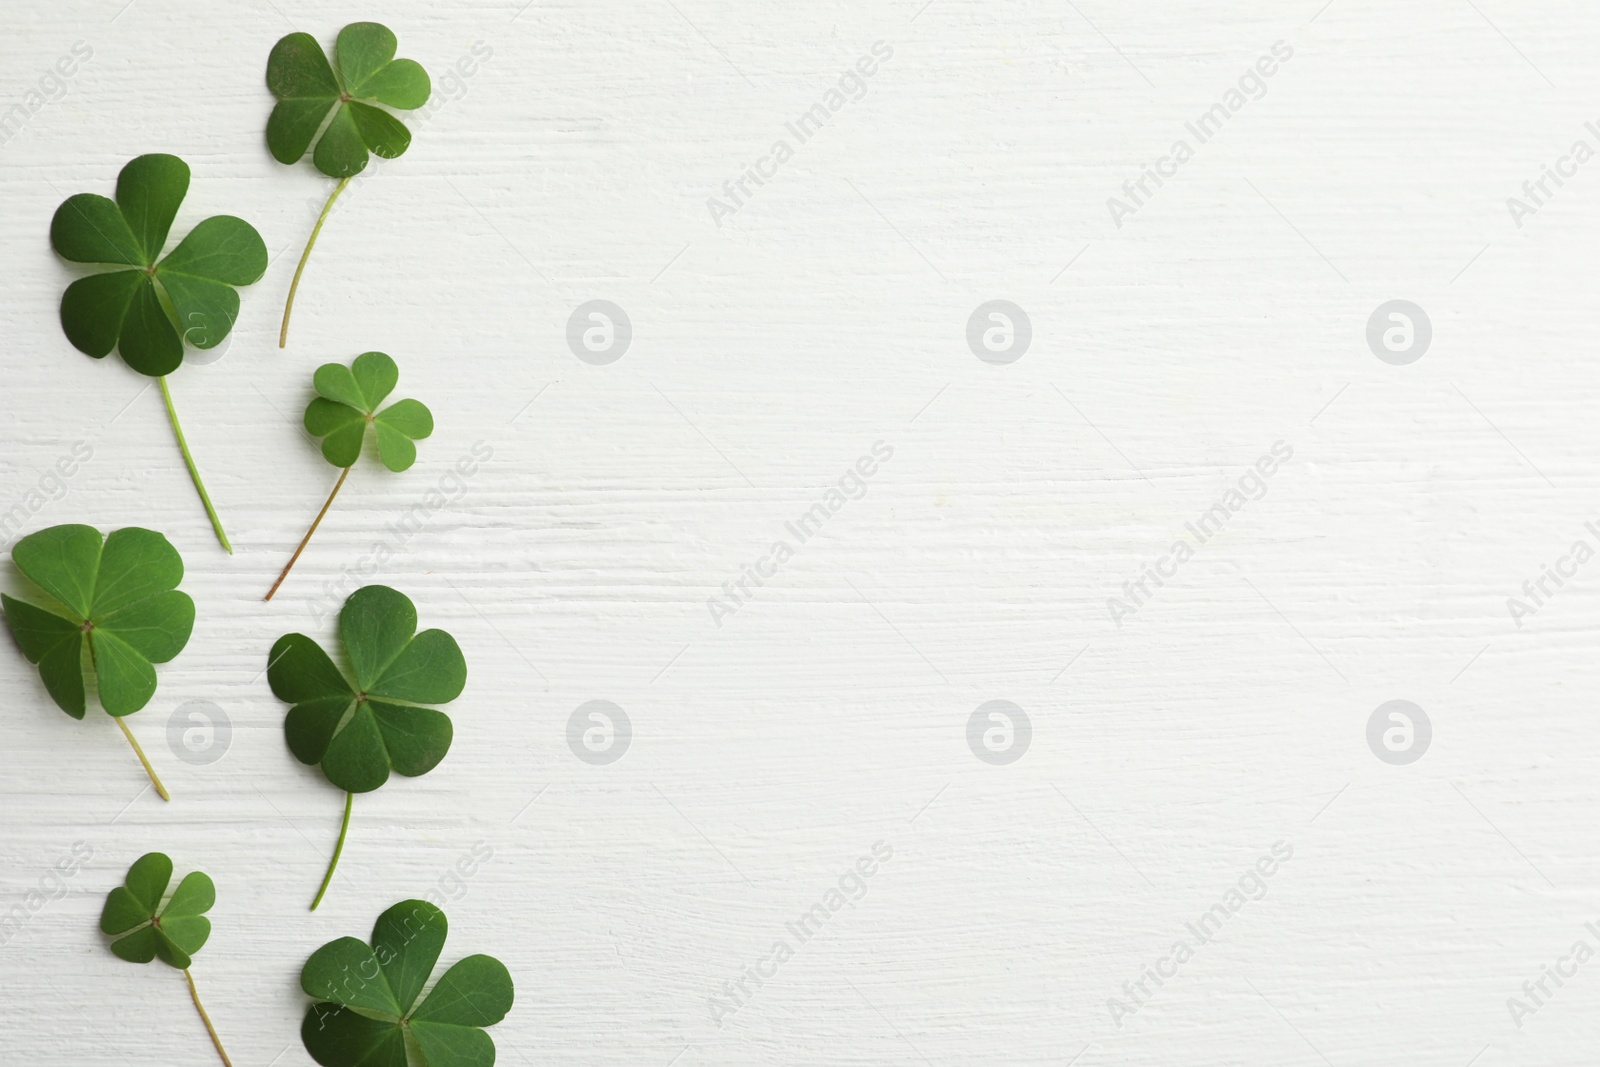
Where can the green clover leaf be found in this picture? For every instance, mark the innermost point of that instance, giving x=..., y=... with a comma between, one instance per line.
x=361, y=731
x=148, y=309
x=143, y=930
x=367, y=996
x=114, y=598
x=335, y=105
x=348, y=402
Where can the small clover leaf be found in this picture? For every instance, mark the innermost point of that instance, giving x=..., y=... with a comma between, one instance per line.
x=367, y=996
x=114, y=598
x=335, y=107
x=147, y=306
x=143, y=929
x=350, y=399
x=348, y=402
x=361, y=731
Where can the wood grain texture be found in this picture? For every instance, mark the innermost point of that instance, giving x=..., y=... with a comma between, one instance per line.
x=773, y=747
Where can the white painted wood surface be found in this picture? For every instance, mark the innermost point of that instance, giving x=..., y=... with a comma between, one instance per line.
x=830, y=711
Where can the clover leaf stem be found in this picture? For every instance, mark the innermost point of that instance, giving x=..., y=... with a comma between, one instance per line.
x=288, y=308
x=151, y=771
x=349, y=802
x=194, y=472
x=212, y=1030
x=287, y=567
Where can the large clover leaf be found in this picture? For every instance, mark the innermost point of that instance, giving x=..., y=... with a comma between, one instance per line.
x=348, y=403
x=359, y=732
x=144, y=929
x=116, y=597
x=150, y=307
x=367, y=997
x=334, y=105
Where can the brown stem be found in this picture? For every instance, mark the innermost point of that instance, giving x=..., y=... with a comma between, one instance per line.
x=307, y=539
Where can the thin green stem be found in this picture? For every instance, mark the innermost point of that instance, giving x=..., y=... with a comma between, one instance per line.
x=212, y=1030
x=349, y=802
x=151, y=771
x=288, y=308
x=194, y=472
x=287, y=567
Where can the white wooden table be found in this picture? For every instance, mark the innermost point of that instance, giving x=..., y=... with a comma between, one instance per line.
x=781, y=731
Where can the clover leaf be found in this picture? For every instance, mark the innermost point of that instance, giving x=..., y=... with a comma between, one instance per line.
x=147, y=306
x=144, y=930
x=367, y=1012
x=349, y=402
x=365, y=73
x=359, y=731
x=114, y=598
x=335, y=107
